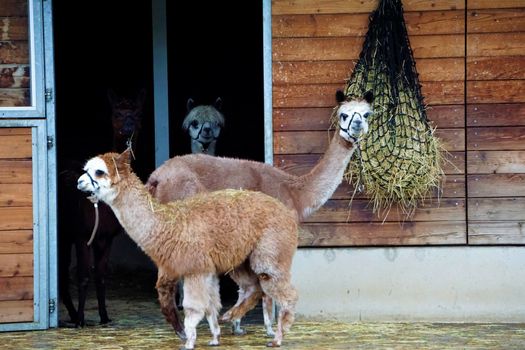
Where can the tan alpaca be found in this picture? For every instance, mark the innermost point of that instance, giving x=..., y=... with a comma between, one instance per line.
x=184, y=176
x=200, y=237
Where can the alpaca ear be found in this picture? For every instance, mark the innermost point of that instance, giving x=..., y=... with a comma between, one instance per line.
x=190, y=104
x=369, y=96
x=124, y=158
x=340, y=96
x=218, y=103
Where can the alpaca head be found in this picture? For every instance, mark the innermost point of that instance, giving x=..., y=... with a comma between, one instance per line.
x=203, y=124
x=126, y=118
x=353, y=116
x=103, y=173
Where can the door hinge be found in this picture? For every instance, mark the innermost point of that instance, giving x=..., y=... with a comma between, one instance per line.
x=50, y=142
x=52, y=305
x=49, y=94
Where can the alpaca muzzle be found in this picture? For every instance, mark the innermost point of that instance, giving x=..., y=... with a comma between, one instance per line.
x=83, y=184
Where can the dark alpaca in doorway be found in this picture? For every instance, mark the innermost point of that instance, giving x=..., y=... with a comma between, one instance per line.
x=77, y=217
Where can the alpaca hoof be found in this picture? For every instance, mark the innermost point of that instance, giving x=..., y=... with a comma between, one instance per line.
x=105, y=320
x=239, y=331
x=270, y=333
x=213, y=343
x=273, y=344
x=181, y=335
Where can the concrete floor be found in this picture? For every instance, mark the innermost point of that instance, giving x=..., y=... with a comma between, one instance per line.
x=138, y=324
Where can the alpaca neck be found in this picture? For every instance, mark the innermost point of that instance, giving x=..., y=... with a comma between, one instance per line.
x=322, y=181
x=199, y=147
x=133, y=207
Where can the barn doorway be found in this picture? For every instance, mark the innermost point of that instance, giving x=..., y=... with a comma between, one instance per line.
x=108, y=45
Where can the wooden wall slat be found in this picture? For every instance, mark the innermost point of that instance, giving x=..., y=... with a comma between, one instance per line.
x=332, y=72
x=495, y=68
x=295, y=119
x=322, y=95
x=496, y=209
x=389, y=233
x=16, y=311
x=496, y=44
x=495, y=91
x=15, y=171
x=280, y=7
x=16, y=195
x=15, y=97
x=16, y=218
x=13, y=28
x=300, y=164
x=14, y=76
x=16, y=145
x=16, y=242
x=360, y=211
x=356, y=24
x=294, y=142
x=14, y=52
x=18, y=265
x=490, y=4
x=496, y=114
x=496, y=20
x=348, y=48
x=496, y=162
x=496, y=185
x=496, y=232
x=510, y=138
x=16, y=288
x=13, y=8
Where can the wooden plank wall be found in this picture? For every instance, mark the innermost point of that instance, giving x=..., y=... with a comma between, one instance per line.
x=16, y=225
x=315, y=46
x=14, y=54
x=496, y=121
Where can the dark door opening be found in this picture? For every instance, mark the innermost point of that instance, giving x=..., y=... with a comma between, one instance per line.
x=215, y=49
x=108, y=45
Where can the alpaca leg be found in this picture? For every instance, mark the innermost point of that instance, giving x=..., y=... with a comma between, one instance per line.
x=249, y=295
x=180, y=293
x=281, y=290
x=213, y=309
x=166, y=290
x=197, y=301
x=101, y=250
x=65, y=295
x=267, y=306
x=83, y=263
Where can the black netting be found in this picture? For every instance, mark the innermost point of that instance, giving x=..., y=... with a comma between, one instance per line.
x=399, y=158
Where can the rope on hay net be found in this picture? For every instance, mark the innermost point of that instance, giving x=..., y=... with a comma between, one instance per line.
x=399, y=159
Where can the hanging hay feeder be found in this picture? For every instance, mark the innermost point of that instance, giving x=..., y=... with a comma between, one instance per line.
x=399, y=159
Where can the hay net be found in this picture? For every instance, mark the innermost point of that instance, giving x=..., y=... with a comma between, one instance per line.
x=399, y=160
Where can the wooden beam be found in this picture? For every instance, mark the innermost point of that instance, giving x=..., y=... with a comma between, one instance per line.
x=377, y=234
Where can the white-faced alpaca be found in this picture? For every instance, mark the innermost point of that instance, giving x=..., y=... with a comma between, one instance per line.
x=203, y=124
x=184, y=176
x=202, y=236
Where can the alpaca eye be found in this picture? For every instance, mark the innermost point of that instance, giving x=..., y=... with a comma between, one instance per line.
x=344, y=116
x=366, y=115
x=99, y=173
x=194, y=123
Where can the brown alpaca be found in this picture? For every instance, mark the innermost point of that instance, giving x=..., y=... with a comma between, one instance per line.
x=200, y=237
x=184, y=176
